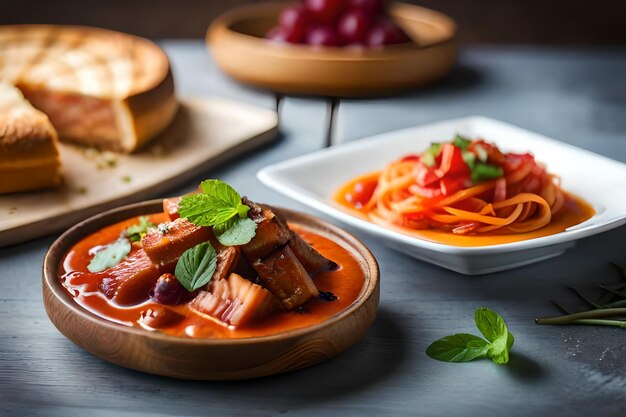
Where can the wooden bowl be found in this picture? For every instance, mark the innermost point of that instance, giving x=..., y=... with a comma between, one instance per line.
x=237, y=43
x=207, y=359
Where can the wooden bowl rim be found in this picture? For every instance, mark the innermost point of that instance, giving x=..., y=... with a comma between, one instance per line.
x=222, y=25
x=61, y=245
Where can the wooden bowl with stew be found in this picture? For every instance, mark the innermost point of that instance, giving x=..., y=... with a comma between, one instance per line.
x=289, y=341
x=237, y=42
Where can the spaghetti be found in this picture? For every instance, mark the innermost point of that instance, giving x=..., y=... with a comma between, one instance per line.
x=465, y=187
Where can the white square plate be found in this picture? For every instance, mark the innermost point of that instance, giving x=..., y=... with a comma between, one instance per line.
x=312, y=179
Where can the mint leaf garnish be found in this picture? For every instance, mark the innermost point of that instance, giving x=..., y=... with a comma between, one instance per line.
x=110, y=255
x=463, y=347
x=239, y=233
x=460, y=347
x=137, y=231
x=196, y=266
x=221, y=207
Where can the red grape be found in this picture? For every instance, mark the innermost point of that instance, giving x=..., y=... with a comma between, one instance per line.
x=371, y=7
x=168, y=290
x=353, y=26
x=326, y=11
x=294, y=20
x=323, y=36
x=291, y=35
x=385, y=32
x=291, y=16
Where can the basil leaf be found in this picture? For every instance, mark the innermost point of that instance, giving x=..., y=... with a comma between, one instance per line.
x=110, y=255
x=460, y=347
x=240, y=232
x=482, y=172
x=196, y=266
x=136, y=232
x=461, y=142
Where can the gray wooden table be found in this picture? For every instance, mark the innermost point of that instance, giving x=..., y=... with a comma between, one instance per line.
x=578, y=96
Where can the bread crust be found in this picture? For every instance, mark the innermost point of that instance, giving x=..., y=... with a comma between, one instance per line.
x=142, y=95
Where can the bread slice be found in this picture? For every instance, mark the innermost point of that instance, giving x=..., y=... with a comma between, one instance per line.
x=98, y=87
x=29, y=156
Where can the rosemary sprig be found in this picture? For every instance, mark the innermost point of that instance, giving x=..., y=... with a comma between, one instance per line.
x=605, y=312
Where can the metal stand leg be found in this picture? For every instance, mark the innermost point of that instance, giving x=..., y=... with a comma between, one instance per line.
x=332, y=106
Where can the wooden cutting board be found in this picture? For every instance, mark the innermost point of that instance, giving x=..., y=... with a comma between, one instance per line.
x=206, y=132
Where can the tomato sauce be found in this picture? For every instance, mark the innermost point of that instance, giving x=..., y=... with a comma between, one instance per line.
x=346, y=283
x=574, y=211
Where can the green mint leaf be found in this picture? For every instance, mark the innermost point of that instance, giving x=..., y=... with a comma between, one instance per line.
x=490, y=324
x=110, y=255
x=460, y=347
x=461, y=142
x=136, y=232
x=222, y=192
x=242, y=209
x=240, y=232
x=205, y=210
x=219, y=229
x=217, y=204
x=494, y=328
x=196, y=266
x=482, y=172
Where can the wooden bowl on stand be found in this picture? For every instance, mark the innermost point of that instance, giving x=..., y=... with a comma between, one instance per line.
x=236, y=40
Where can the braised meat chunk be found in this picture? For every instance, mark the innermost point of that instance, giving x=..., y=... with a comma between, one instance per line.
x=235, y=301
x=130, y=281
x=271, y=233
x=286, y=278
x=167, y=243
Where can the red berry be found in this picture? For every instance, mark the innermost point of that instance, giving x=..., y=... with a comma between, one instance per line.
x=323, y=36
x=168, y=290
x=354, y=26
x=385, y=32
x=326, y=11
x=371, y=7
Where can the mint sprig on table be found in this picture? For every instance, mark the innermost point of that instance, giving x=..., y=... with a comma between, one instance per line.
x=218, y=205
x=464, y=347
x=196, y=266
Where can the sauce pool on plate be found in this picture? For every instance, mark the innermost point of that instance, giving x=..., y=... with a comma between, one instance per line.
x=345, y=283
x=355, y=194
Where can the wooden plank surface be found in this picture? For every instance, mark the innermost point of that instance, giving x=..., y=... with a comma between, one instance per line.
x=555, y=371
